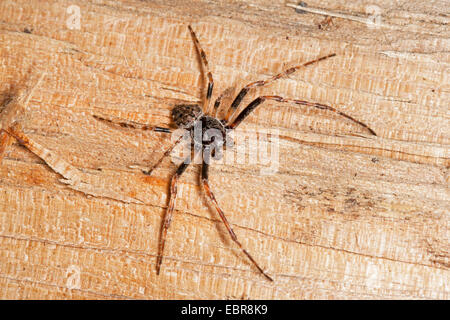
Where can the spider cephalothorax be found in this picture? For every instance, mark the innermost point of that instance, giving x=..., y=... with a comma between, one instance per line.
x=205, y=131
x=209, y=133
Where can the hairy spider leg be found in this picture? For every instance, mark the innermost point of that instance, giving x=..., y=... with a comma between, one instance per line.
x=202, y=55
x=166, y=153
x=237, y=101
x=169, y=212
x=255, y=103
x=133, y=125
x=210, y=194
x=217, y=103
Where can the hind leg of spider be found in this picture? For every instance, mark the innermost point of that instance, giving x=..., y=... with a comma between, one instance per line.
x=236, y=102
x=255, y=103
x=169, y=212
x=202, y=55
x=211, y=197
x=166, y=154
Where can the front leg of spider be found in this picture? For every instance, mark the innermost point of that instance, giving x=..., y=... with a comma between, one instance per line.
x=232, y=124
x=255, y=103
x=260, y=83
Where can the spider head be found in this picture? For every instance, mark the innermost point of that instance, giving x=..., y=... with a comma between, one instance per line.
x=212, y=131
x=209, y=132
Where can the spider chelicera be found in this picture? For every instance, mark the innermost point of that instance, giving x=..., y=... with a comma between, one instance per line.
x=192, y=116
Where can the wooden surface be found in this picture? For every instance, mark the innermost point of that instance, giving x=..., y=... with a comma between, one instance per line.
x=346, y=216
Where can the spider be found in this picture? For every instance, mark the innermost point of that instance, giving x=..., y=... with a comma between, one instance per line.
x=192, y=116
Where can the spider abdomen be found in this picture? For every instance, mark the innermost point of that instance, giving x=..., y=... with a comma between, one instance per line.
x=184, y=115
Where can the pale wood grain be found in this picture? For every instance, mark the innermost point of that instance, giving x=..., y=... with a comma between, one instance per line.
x=347, y=215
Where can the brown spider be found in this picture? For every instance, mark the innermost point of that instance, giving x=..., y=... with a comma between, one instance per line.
x=192, y=116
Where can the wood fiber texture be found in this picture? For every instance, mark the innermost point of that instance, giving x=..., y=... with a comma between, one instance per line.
x=347, y=215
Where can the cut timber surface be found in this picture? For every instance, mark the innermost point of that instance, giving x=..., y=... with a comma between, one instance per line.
x=347, y=215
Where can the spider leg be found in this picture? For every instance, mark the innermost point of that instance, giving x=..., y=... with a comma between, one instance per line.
x=236, y=102
x=166, y=153
x=133, y=125
x=169, y=212
x=217, y=103
x=211, y=196
x=261, y=99
x=206, y=69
